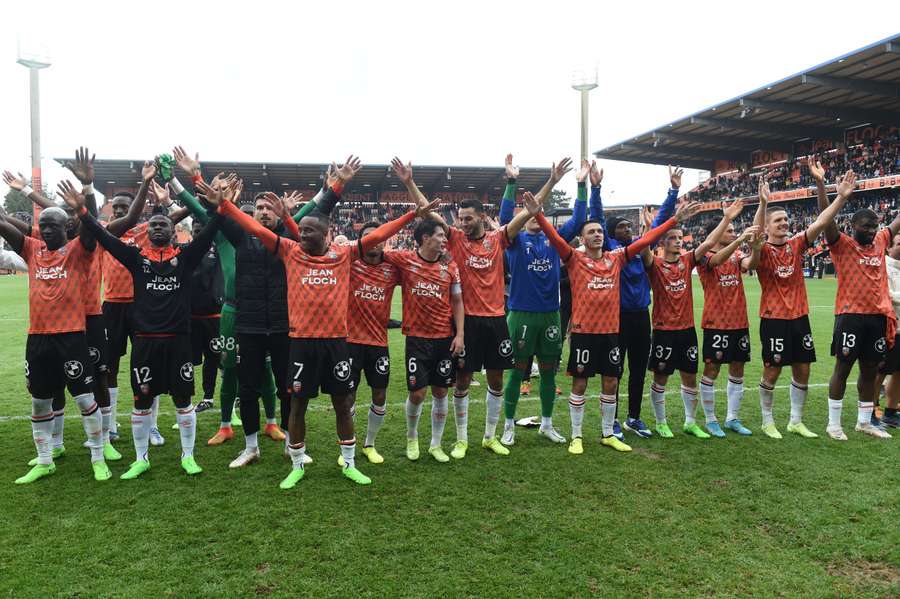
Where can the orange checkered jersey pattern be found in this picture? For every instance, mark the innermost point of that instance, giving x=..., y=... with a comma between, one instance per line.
x=724, y=302
x=673, y=294
x=318, y=289
x=93, y=283
x=480, y=263
x=595, y=291
x=426, y=288
x=780, y=274
x=117, y=283
x=55, y=286
x=371, y=292
x=862, y=276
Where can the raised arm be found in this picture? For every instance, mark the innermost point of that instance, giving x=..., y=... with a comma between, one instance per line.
x=726, y=252
x=20, y=184
x=194, y=251
x=246, y=222
x=569, y=229
x=756, y=243
x=534, y=208
x=728, y=215
x=759, y=219
x=120, y=226
x=826, y=217
x=818, y=174
x=684, y=212
x=12, y=235
x=391, y=228
x=73, y=198
x=22, y=226
x=128, y=255
x=508, y=203
x=667, y=210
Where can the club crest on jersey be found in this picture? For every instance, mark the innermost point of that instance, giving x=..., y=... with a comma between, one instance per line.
x=383, y=364
x=552, y=333
x=880, y=345
x=332, y=256
x=216, y=344
x=692, y=353
x=614, y=355
x=173, y=261
x=187, y=372
x=145, y=266
x=444, y=367
x=487, y=244
x=506, y=348
x=94, y=354
x=607, y=262
x=73, y=369
x=808, y=341
x=744, y=343
x=342, y=370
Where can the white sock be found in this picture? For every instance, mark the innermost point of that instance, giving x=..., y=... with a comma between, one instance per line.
x=252, y=440
x=658, y=399
x=59, y=423
x=348, y=451
x=798, y=398
x=546, y=423
x=187, y=427
x=154, y=413
x=140, y=431
x=576, y=413
x=438, y=419
x=461, y=410
x=689, y=399
x=734, y=391
x=509, y=423
x=113, y=407
x=607, y=413
x=413, y=412
x=766, y=399
x=296, y=451
x=42, y=428
x=93, y=424
x=494, y=405
x=105, y=417
x=864, y=414
x=835, y=407
x=376, y=419
x=708, y=399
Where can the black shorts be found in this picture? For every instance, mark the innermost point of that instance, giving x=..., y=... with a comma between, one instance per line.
x=54, y=362
x=673, y=350
x=119, y=328
x=162, y=365
x=320, y=364
x=593, y=354
x=374, y=360
x=786, y=342
x=722, y=346
x=429, y=362
x=487, y=345
x=892, y=360
x=95, y=335
x=859, y=336
x=205, y=338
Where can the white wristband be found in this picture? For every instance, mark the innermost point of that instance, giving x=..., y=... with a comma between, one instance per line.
x=176, y=185
x=88, y=188
x=28, y=190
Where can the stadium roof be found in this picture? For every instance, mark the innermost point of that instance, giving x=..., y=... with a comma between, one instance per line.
x=272, y=176
x=862, y=87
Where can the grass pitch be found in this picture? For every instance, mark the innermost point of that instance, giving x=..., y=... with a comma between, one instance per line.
x=734, y=517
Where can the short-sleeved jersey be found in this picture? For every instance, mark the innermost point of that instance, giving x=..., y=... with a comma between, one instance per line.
x=371, y=292
x=862, y=276
x=317, y=289
x=673, y=296
x=92, y=285
x=426, y=289
x=781, y=278
x=595, y=291
x=480, y=263
x=55, y=286
x=724, y=302
x=117, y=284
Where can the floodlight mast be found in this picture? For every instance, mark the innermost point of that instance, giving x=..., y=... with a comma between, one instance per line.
x=584, y=82
x=34, y=63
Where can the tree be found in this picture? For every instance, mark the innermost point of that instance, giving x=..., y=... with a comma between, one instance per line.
x=16, y=201
x=558, y=199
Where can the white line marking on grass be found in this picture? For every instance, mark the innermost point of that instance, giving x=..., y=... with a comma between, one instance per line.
x=397, y=404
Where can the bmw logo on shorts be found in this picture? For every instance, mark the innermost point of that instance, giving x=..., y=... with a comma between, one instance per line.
x=692, y=353
x=342, y=370
x=808, y=341
x=880, y=345
x=73, y=369
x=552, y=333
x=383, y=364
x=744, y=343
x=217, y=344
x=444, y=367
x=614, y=355
x=506, y=348
x=187, y=372
x=94, y=354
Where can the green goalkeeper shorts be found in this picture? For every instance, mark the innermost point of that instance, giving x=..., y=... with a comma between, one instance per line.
x=226, y=336
x=535, y=334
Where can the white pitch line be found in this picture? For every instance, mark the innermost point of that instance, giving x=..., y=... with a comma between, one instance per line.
x=322, y=408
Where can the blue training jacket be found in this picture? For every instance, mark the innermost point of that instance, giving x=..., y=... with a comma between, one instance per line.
x=533, y=262
x=634, y=288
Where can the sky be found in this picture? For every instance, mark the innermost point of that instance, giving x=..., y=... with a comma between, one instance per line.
x=450, y=83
